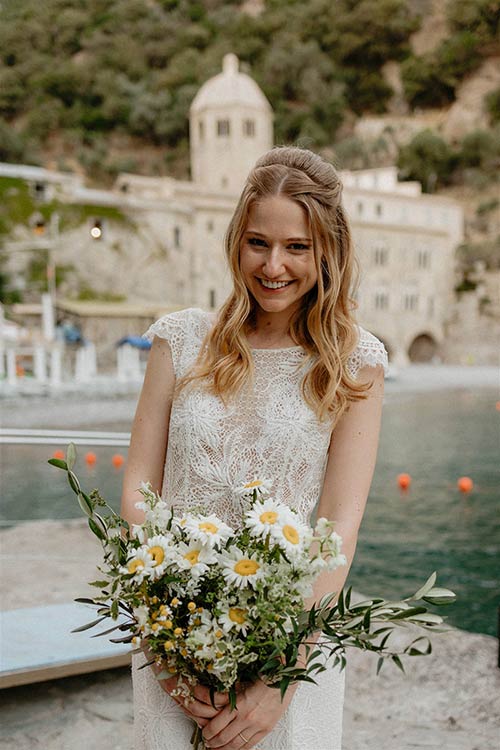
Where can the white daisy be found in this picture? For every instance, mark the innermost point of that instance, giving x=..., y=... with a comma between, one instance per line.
x=235, y=618
x=209, y=530
x=161, y=552
x=239, y=568
x=263, y=516
x=140, y=563
x=262, y=488
x=324, y=527
x=194, y=557
x=291, y=534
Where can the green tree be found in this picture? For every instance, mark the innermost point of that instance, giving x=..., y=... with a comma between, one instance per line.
x=428, y=159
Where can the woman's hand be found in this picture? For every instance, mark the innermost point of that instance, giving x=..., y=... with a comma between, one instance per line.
x=199, y=707
x=259, y=707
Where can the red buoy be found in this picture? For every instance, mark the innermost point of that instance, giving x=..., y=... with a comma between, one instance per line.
x=59, y=454
x=117, y=460
x=465, y=484
x=404, y=481
x=90, y=458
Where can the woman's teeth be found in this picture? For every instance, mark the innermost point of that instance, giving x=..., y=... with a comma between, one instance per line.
x=274, y=284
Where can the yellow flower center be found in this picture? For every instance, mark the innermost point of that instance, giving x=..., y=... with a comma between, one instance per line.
x=291, y=534
x=251, y=485
x=237, y=615
x=192, y=557
x=269, y=516
x=135, y=565
x=168, y=645
x=158, y=554
x=246, y=567
x=211, y=528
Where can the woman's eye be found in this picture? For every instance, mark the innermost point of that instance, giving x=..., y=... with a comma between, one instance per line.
x=298, y=246
x=256, y=241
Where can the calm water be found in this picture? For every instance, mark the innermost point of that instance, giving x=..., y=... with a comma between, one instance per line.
x=434, y=437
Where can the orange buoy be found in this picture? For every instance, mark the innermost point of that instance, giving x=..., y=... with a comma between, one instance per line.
x=117, y=460
x=404, y=481
x=90, y=458
x=59, y=454
x=465, y=484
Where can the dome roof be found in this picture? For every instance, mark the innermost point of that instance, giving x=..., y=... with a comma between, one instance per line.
x=230, y=87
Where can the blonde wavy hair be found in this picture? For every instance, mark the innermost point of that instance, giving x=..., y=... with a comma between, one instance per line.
x=324, y=324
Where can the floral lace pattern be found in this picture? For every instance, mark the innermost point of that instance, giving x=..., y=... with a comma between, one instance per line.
x=269, y=432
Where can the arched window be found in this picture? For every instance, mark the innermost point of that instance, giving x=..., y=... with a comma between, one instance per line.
x=249, y=128
x=222, y=128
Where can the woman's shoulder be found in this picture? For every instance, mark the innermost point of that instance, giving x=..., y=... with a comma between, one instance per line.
x=190, y=321
x=369, y=352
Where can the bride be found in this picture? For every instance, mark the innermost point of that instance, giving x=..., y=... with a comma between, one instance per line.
x=280, y=384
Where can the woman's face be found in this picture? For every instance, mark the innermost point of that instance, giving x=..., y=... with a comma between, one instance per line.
x=277, y=255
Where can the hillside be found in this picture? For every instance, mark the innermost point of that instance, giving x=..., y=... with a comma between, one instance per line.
x=104, y=86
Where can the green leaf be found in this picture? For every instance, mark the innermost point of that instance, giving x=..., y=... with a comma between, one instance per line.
x=440, y=596
x=71, y=456
x=84, y=503
x=88, y=625
x=426, y=587
x=397, y=661
x=58, y=463
x=380, y=663
x=96, y=530
x=99, y=584
x=74, y=483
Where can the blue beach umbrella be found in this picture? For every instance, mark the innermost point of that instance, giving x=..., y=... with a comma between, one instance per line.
x=138, y=341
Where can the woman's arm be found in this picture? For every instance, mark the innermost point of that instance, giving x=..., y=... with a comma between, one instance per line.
x=149, y=438
x=349, y=472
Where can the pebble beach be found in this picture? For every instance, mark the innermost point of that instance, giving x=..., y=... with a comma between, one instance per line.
x=449, y=700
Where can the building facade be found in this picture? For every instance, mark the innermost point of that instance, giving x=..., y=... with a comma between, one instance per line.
x=160, y=240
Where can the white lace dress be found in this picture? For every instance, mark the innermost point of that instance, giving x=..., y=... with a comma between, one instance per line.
x=270, y=432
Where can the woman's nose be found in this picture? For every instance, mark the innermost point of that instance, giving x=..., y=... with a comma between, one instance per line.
x=273, y=265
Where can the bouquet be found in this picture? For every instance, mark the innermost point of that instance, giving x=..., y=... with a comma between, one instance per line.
x=223, y=607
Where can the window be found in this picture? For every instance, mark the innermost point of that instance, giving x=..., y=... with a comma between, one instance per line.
x=423, y=259
x=222, y=127
x=201, y=130
x=210, y=226
x=249, y=128
x=224, y=182
x=380, y=256
x=212, y=298
x=39, y=191
x=378, y=209
x=177, y=237
x=410, y=302
x=381, y=301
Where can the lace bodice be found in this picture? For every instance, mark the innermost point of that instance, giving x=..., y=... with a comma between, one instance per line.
x=267, y=432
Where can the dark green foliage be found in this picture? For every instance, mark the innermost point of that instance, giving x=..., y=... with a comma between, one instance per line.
x=101, y=66
x=431, y=80
x=428, y=159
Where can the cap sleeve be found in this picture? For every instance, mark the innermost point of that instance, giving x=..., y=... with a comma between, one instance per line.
x=370, y=352
x=184, y=330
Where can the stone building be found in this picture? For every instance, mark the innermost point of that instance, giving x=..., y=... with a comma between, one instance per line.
x=159, y=240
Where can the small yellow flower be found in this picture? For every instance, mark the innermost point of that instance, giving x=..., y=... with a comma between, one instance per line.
x=219, y=654
x=191, y=606
x=168, y=624
x=178, y=631
x=135, y=565
x=291, y=534
x=246, y=567
x=174, y=602
x=184, y=652
x=168, y=645
x=154, y=600
x=157, y=553
x=155, y=626
x=237, y=615
x=219, y=633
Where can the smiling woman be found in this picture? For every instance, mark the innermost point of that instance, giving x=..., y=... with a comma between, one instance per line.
x=282, y=385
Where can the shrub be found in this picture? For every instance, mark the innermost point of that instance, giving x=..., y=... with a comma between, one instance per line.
x=428, y=159
x=493, y=106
